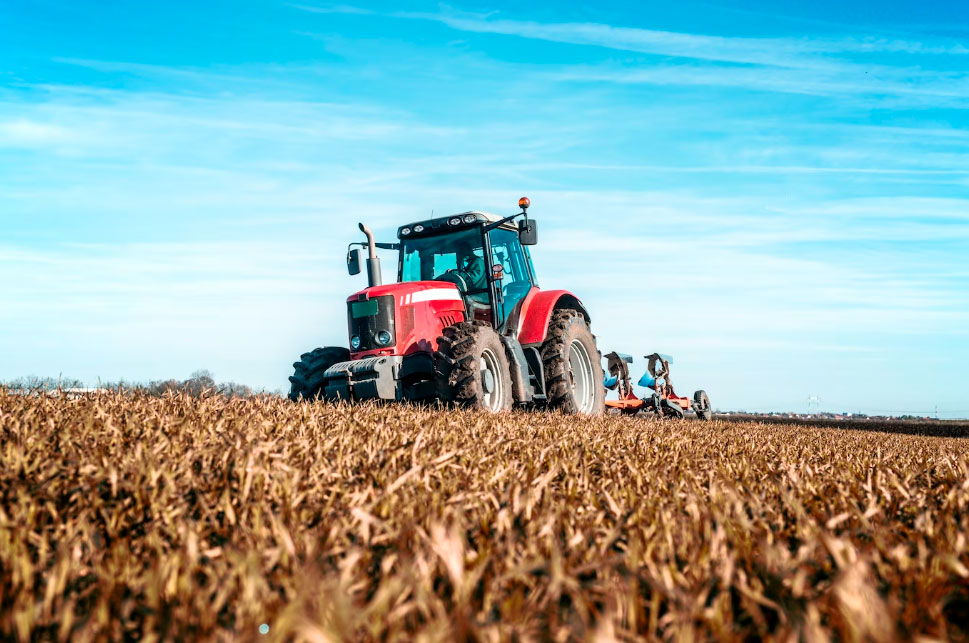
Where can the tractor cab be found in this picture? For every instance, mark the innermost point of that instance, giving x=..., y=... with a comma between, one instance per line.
x=484, y=255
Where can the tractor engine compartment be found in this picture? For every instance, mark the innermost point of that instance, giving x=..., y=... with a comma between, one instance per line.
x=391, y=357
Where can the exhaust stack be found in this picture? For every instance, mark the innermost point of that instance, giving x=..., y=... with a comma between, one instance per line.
x=373, y=261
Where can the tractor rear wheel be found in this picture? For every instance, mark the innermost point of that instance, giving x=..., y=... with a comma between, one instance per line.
x=701, y=405
x=471, y=367
x=573, y=370
x=307, y=380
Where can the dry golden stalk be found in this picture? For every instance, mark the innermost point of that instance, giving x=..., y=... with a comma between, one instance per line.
x=173, y=518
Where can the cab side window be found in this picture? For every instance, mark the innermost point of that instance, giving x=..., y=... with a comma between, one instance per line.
x=515, y=283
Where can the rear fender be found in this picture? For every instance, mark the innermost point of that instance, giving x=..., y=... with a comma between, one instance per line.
x=537, y=309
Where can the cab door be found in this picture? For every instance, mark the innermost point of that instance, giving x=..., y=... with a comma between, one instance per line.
x=516, y=280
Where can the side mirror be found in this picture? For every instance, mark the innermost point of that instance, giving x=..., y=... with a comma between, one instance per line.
x=354, y=259
x=528, y=232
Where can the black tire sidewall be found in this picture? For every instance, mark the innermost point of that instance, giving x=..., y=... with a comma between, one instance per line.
x=460, y=382
x=491, y=341
x=702, y=401
x=309, y=370
x=576, y=329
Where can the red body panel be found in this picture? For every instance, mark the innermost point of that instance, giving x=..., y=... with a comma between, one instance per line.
x=537, y=310
x=422, y=309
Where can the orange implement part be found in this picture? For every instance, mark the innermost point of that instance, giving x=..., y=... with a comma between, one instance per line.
x=628, y=405
x=682, y=401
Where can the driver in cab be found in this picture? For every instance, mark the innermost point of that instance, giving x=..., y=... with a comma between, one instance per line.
x=470, y=271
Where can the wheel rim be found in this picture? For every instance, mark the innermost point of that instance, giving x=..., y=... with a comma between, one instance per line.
x=492, y=385
x=581, y=377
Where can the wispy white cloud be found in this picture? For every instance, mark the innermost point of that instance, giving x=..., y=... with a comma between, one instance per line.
x=801, y=53
x=754, y=169
x=889, y=87
x=337, y=8
x=23, y=132
x=806, y=65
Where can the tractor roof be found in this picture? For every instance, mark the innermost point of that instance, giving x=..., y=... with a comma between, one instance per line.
x=487, y=215
x=452, y=222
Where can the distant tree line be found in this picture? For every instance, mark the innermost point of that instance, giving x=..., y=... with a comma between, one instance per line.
x=35, y=383
x=199, y=383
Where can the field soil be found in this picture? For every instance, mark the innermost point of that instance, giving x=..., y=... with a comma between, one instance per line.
x=179, y=518
x=908, y=426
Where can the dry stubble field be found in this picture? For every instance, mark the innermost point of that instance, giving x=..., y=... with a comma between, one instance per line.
x=178, y=518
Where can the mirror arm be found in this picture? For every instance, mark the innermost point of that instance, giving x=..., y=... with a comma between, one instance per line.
x=383, y=245
x=492, y=226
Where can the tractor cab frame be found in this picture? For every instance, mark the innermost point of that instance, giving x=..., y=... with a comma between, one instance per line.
x=482, y=254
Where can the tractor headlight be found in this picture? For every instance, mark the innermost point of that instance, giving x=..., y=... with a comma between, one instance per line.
x=404, y=232
x=355, y=342
x=455, y=221
x=418, y=228
x=383, y=338
x=470, y=218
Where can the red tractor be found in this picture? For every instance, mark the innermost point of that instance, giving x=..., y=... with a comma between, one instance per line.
x=466, y=323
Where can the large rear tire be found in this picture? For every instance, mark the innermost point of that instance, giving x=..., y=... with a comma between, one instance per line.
x=573, y=370
x=307, y=380
x=472, y=369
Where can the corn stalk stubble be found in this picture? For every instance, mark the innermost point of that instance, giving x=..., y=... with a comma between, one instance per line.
x=176, y=517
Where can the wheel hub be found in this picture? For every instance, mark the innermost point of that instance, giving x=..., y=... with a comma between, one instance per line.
x=491, y=383
x=487, y=382
x=581, y=377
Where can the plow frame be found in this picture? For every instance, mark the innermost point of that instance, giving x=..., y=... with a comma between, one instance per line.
x=664, y=402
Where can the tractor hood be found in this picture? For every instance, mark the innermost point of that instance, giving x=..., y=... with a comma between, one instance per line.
x=411, y=292
x=403, y=318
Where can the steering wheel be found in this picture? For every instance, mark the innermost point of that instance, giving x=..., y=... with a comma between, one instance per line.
x=454, y=276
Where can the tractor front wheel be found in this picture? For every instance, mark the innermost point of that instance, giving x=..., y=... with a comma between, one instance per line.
x=573, y=370
x=307, y=379
x=471, y=367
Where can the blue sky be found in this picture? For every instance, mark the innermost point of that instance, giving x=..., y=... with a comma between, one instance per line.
x=775, y=194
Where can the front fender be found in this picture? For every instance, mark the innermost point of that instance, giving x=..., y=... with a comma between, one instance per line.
x=537, y=309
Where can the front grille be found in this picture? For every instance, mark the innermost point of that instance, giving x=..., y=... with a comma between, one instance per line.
x=369, y=317
x=406, y=320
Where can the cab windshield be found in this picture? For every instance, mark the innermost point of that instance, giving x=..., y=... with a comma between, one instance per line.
x=427, y=258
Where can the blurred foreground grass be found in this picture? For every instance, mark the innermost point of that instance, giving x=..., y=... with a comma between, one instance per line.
x=181, y=518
